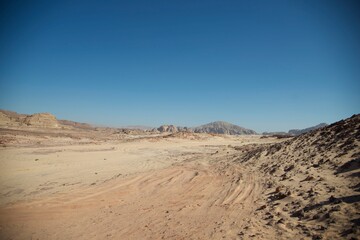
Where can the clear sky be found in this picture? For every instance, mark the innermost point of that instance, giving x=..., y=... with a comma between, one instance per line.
x=264, y=65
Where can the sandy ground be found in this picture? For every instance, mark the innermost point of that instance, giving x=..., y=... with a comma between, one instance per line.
x=104, y=184
x=170, y=188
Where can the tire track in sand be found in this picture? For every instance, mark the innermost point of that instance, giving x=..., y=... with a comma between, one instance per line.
x=194, y=199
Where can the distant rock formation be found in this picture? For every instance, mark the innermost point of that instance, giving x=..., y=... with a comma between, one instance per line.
x=13, y=119
x=221, y=127
x=134, y=131
x=140, y=127
x=167, y=128
x=297, y=132
x=275, y=133
x=75, y=124
x=185, y=129
x=46, y=120
x=38, y=120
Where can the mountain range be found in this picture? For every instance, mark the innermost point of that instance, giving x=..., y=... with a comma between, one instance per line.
x=48, y=120
x=297, y=132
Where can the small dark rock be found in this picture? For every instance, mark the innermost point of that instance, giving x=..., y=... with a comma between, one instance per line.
x=332, y=199
x=261, y=208
x=299, y=214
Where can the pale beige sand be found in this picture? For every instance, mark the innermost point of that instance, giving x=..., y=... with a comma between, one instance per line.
x=147, y=188
x=180, y=186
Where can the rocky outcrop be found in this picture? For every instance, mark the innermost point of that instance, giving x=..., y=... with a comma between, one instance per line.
x=167, y=128
x=45, y=120
x=185, y=129
x=221, y=127
x=4, y=119
x=8, y=118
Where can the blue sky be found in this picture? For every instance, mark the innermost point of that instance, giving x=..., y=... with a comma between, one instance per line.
x=264, y=65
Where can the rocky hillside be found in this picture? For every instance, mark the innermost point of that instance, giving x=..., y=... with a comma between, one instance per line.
x=45, y=120
x=5, y=119
x=13, y=119
x=75, y=124
x=221, y=127
x=38, y=120
x=297, y=132
x=9, y=118
x=312, y=180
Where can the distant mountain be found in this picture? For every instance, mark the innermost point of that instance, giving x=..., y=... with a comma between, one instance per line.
x=221, y=127
x=275, y=133
x=296, y=132
x=140, y=127
x=37, y=120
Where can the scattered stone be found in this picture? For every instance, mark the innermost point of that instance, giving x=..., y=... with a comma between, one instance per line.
x=261, y=208
x=308, y=178
x=299, y=214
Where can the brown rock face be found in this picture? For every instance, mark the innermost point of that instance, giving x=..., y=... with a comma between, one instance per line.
x=42, y=120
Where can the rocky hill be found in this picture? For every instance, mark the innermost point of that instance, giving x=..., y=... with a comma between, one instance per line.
x=45, y=120
x=167, y=128
x=9, y=118
x=13, y=115
x=38, y=120
x=296, y=132
x=313, y=181
x=221, y=127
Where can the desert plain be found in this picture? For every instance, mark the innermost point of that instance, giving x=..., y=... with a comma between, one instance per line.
x=102, y=183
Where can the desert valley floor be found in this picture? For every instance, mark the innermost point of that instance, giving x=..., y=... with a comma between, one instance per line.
x=67, y=184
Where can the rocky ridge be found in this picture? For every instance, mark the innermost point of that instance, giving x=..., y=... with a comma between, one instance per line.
x=297, y=132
